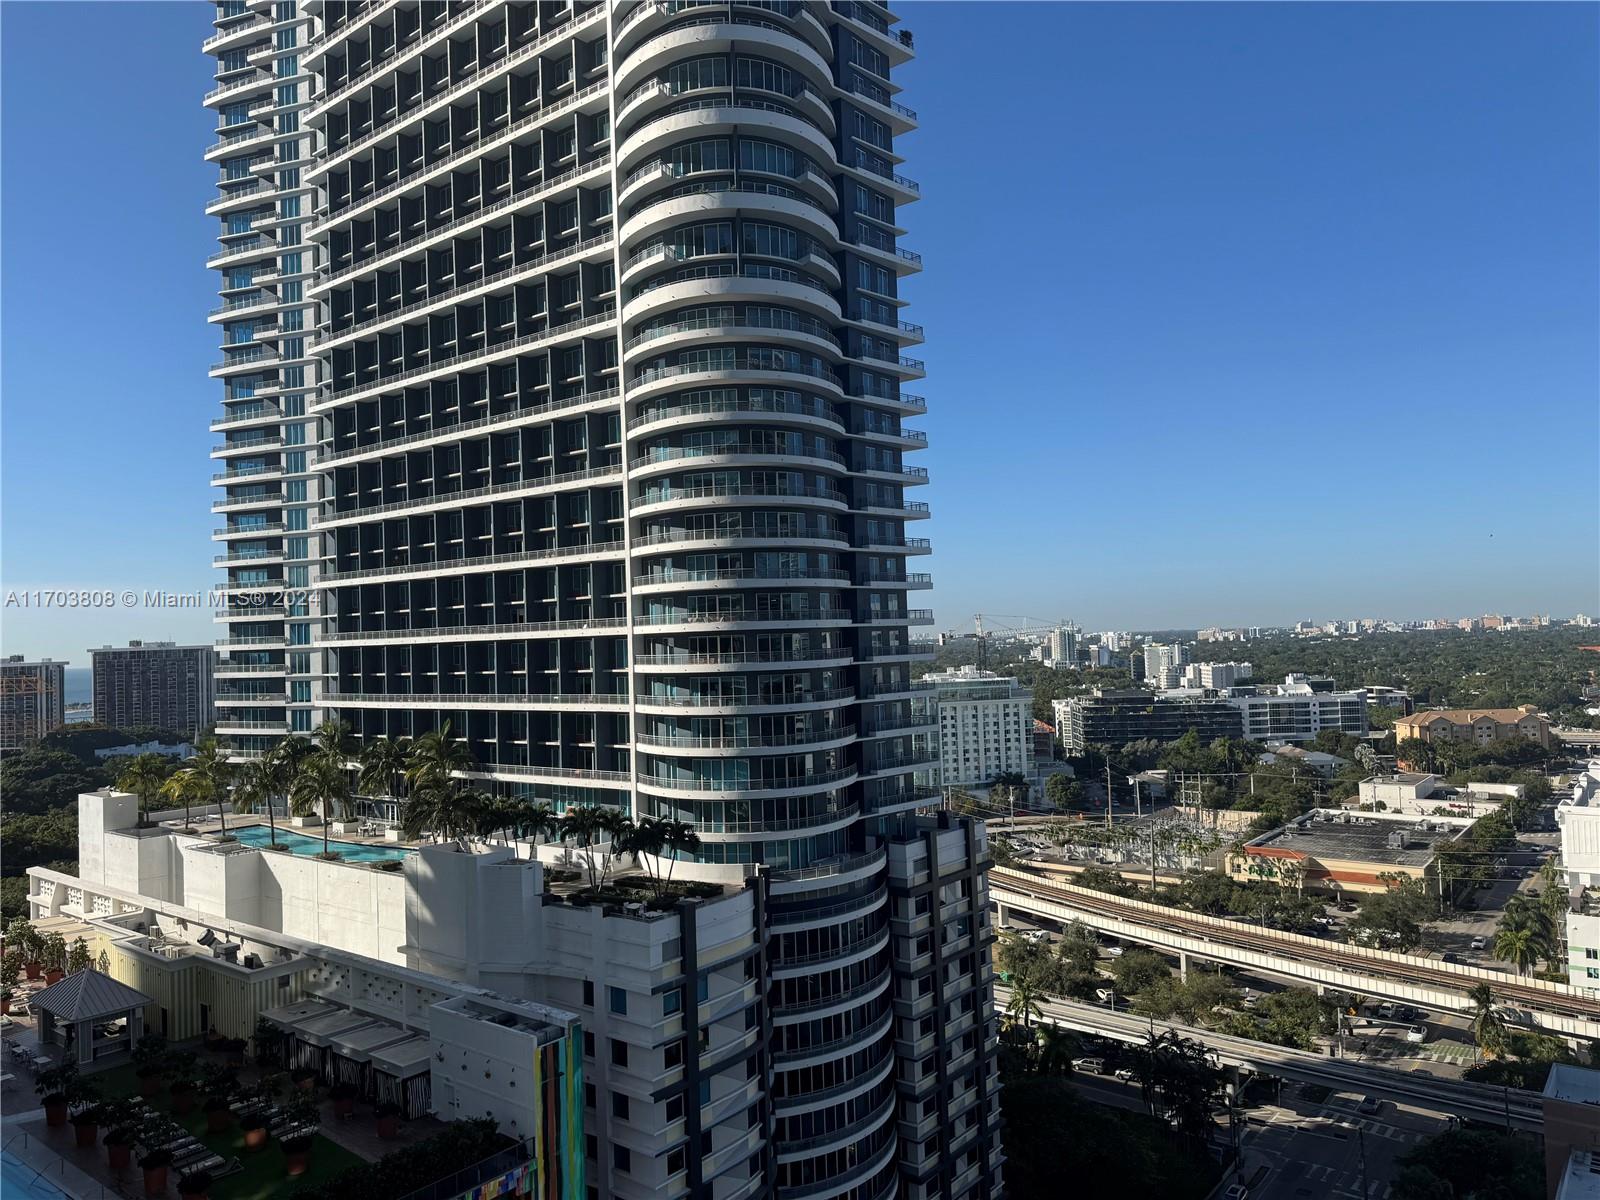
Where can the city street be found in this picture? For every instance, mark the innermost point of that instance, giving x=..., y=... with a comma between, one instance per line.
x=1302, y=1147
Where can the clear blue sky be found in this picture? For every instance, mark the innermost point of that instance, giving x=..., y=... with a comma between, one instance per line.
x=1235, y=313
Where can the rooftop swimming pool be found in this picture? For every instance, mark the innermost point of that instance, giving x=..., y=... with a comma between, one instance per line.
x=300, y=843
x=19, y=1179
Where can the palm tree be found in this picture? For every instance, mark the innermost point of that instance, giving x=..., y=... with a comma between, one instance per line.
x=1023, y=1007
x=1517, y=945
x=383, y=767
x=1488, y=1030
x=212, y=771
x=181, y=787
x=538, y=820
x=436, y=757
x=319, y=783
x=333, y=740
x=588, y=825
x=1053, y=1050
x=253, y=791
x=662, y=841
x=143, y=775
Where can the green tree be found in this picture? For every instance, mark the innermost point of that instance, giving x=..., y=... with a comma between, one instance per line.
x=320, y=783
x=383, y=767
x=589, y=826
x=212, y=772
x=1471, y=1164
x=1138, y=969
x=143, y=775
x=1488, y=1030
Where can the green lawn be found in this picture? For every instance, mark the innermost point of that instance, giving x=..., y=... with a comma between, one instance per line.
x=263, y=1177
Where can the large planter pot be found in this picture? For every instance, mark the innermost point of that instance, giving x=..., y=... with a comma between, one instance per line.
x=218, y=1119
x=306, y=1084
x=343, y=1106
x=86, y=1135
x=182, y=1103
x=150, y=1084
x=255, y=1139
x=194, y=1193
x=55, y=1113
x=155, y=1181
x=33, y=970
x=388, y=1126
x=54, y=975
x=5, y=1006
x=296, y=1162
x=120, y=1155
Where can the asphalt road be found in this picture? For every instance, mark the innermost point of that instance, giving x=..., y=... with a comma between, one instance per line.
x=1300, y=1148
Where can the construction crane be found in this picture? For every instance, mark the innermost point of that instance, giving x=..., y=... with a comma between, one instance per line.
x=1032, y=627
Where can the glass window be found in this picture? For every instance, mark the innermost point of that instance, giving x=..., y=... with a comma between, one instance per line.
x=619, y=1000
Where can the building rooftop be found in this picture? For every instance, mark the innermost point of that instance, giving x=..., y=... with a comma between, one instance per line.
x=1574, y=1084
x=1581, y=1180
x=1457, y=716
x=1363, y=837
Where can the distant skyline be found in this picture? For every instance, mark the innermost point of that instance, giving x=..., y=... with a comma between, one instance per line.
x=1237, y=314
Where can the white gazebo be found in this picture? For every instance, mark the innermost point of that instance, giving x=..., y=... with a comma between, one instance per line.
x=89, y=1016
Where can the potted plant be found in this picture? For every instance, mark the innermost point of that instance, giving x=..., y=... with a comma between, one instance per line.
x=182, y=1091
x=86, y=1125
x=343, y=1096
x=233, y=1049
x=269, y=1043
x=303, y=1078
x=119, y=1118
x=150, y=1063
x=53, y=953
x=219, y=1113
x=10, y=974
x=155, y=1166
x=254, y=1127
x=296, y=1154
x=25, y=939
x=78, y=957
x=58, y=1088
x=195, y=1185
x=388, y=1118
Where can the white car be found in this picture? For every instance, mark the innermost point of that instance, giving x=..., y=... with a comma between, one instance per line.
x=1126, y=1073
x=1113, y=951
x=1478, y=943
x=1035, y=936
x=1236, y=1191
x=1104, y=995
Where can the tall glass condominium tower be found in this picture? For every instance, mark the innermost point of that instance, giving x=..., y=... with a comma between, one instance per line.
x=566, y=365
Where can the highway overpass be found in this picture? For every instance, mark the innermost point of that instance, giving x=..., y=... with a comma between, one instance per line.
x=1427, y=982
x=1478, y=1101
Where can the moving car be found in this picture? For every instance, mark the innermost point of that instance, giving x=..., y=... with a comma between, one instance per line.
x=1415, y=1034
x=1236, y=1191
x=1035, y=935
x=1113, y=951
x=1370, y=1106
x=1104, y=995
x=1126, y=1073
x=1089, y=1066
x=1478, y=943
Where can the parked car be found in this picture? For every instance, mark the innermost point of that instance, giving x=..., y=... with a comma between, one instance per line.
x=1035, y=935
x=1236, y=1191
x=1089, y=1066
x=1478, y=943
x=1415, y=1034
x=1388, y=1010
x=1370, y=1106
x=1449, y=958
x=1126, y=1073
x=1104, y=995
x=1113, y=951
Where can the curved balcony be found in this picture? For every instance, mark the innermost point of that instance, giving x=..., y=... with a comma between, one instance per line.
x=755, y=831
x=755, y=789
x=791, y=1151
x=668, y=497
x=710, y=705
x=697, y=117
x=679, y=579
x=674, y=661
x=687, y=744
x=718, y=199
x=805, y=333
x=709, y=622
x=718, y=283
x=839, y=956
x=643, y=51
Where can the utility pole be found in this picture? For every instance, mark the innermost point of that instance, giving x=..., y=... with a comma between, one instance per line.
x=1108, y=793
x=1361, y=1140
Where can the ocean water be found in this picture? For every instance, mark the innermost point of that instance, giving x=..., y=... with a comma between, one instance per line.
x=80, y=685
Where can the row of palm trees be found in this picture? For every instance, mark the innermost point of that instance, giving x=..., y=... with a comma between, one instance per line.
x=429, y=777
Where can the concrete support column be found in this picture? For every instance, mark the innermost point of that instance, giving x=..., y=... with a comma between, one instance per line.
x=1183, y=965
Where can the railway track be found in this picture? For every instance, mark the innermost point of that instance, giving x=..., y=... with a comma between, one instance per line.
x=1551, y=998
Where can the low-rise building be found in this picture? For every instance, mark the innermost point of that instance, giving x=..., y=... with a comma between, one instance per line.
x=32, y=700
x=1298, y=709
x=1419, y=794
x=1335, y=850
x=1117, y=716
x=1479, y=726
x=1382, y=696
x=1315, y=761
x=985, y=726
x=1217, y=675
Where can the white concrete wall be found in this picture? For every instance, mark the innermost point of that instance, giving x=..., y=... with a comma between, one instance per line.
x=1580, y=843
x=1583, y=951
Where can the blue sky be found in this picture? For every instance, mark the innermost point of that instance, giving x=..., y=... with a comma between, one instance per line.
x=1236, y=313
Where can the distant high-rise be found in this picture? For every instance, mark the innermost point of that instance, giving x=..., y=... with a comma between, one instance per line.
x=157, y=685
x=564, y=348
x=32, y=700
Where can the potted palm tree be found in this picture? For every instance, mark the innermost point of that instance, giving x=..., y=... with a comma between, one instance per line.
x=387, y=1116
x=28, y=944
x=58, y=1088
x=53, y=953
x=86, y=1125
x=303, y=1078
x=296, y=1154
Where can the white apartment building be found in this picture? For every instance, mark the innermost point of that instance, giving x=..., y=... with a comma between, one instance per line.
x=1578, y=817
x=1163, y=665
x=1217, y=675
x=1298, y=709
x=985, y=726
